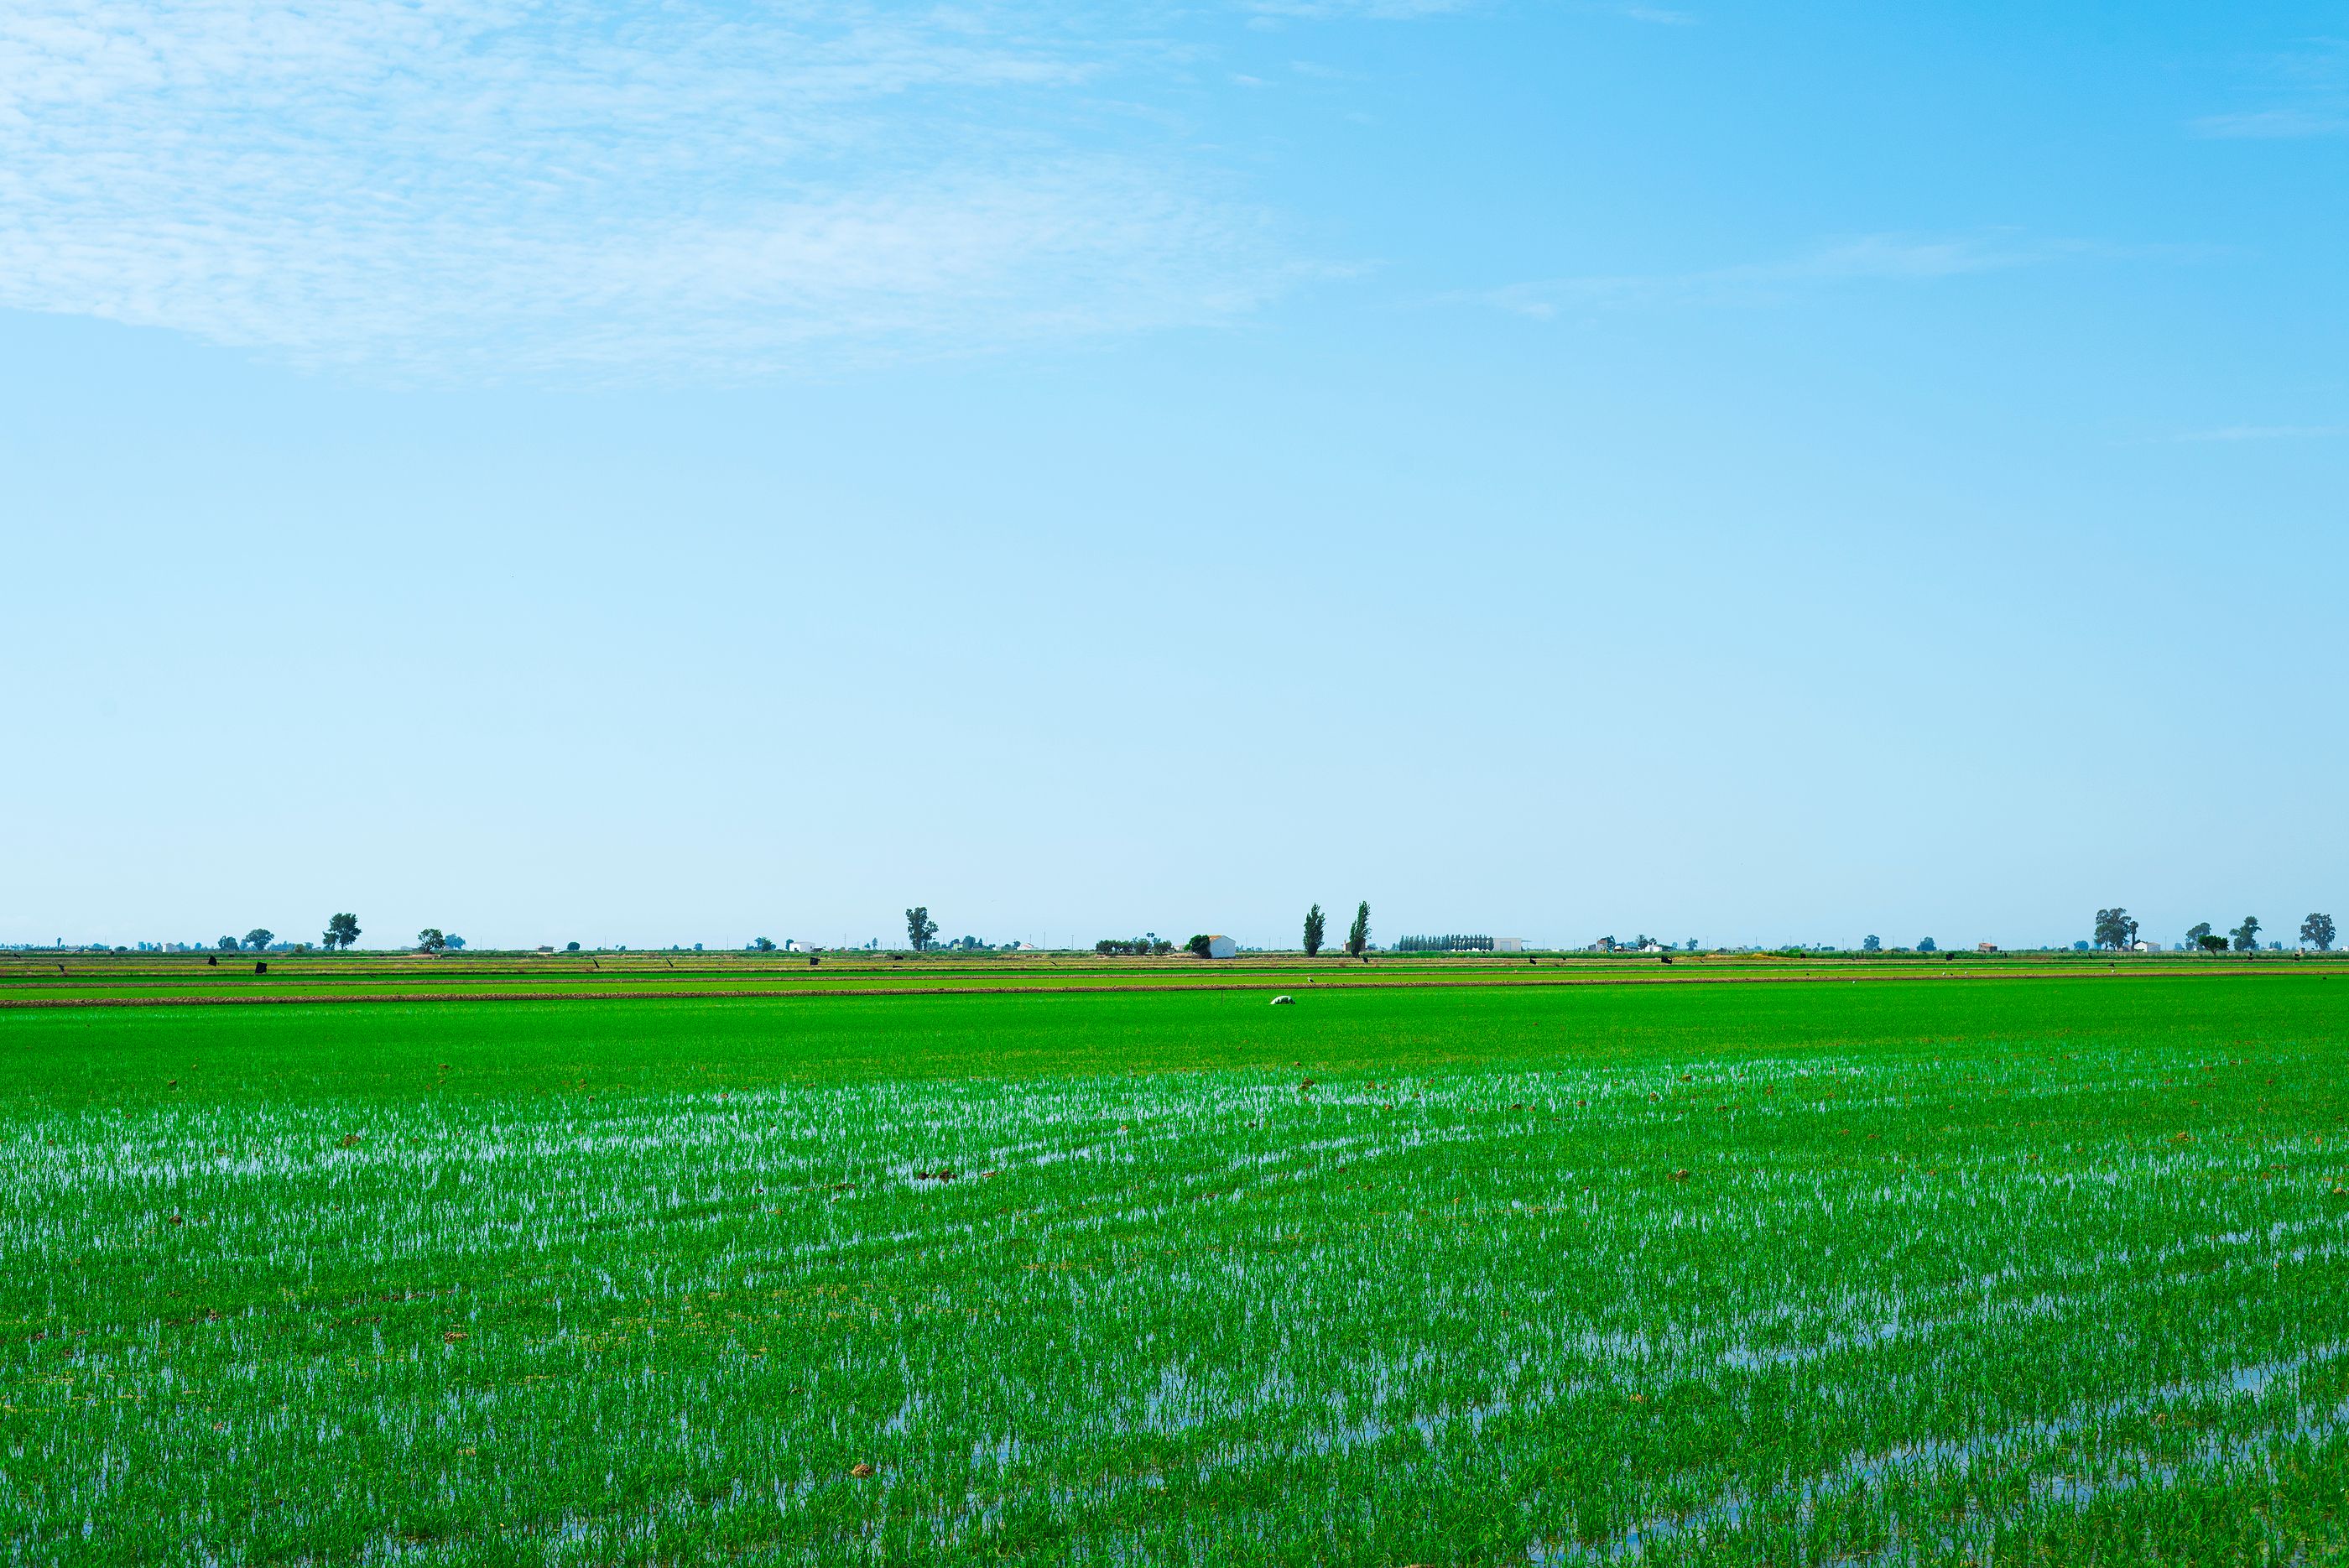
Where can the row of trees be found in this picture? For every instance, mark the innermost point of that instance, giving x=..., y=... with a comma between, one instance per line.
x=1133, y=947
x=1453, y=943
x=1357, y=935
x=342, y=932
x=2115, y=930
x=921, y=933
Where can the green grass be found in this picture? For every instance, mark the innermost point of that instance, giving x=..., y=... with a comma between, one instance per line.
x=79, y=979
x=2013, y=1270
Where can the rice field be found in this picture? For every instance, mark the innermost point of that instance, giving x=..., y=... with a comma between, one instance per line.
x=67, y=979
x=2000, y=1269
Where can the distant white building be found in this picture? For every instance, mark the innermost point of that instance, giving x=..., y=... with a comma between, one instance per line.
x=1222, y=946
x=1508, y=944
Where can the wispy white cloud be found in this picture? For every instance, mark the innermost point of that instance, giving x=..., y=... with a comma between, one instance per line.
x=1661, y=16
x=560, y=189
x=2273, y=124
x=1271, y=12
x=1344, y=10
x=2306, y=92
x=1856, y=259
x=2262, y=432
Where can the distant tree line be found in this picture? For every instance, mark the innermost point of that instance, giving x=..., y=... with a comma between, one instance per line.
x=2113, y=929
x=1133, y=947
x=2116, y=930
x=342, y=932
x=1444, y=944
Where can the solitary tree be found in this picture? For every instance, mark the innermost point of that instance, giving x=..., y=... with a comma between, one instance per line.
x=2317, y=932
x=1315, y=924
x=2197, y=933
x=1199, y=946
x=2246, y=935
x=571, y=946
x=259, y=938
x=226, y=944
x=1926, y=945
x=1357, y=935
x=431, y=940
x=456, y=942
x=920, y=927
x=761, y=944
x=341, y=930
x=1870, y=945
x=2114, y=930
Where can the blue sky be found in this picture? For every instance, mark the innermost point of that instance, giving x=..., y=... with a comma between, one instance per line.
x=646, y=474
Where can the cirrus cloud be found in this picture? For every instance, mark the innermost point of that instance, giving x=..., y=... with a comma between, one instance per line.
x=558, y=189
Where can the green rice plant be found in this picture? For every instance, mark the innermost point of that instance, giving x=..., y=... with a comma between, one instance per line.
x=1902, y=1272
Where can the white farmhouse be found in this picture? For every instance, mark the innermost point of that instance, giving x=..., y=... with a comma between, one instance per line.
x=1222, y=946
x=1508, y=944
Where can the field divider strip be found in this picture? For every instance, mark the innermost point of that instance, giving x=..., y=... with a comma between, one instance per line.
x=813, y=993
